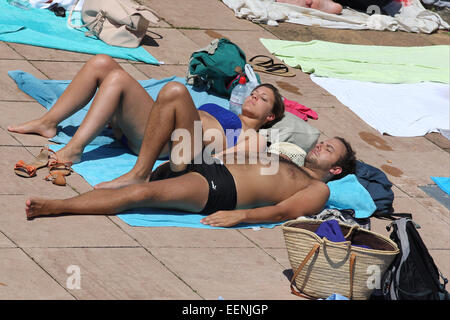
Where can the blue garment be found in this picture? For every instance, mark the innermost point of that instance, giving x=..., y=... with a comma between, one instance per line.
x=229, y=121
x=332, y=231
x=377, y=184
x=348, y=193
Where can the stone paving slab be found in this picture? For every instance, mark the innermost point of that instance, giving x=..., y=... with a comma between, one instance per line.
x=173, y=47
x=202, y=14
x=6, y=139
x=112, y=273
x=47, y=54
x=5, y=242
x=8, y=86
x=62, y=231
x=22, y=279
x=27, y=110
x=6, y=53
x=231, y=273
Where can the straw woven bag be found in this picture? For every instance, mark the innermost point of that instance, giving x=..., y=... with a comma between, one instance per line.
x=322, y=267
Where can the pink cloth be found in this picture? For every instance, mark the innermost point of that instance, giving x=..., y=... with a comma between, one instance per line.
x=299, y=110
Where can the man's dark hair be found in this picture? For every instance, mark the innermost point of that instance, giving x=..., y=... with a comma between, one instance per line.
x=278, y=105
x=347, y=162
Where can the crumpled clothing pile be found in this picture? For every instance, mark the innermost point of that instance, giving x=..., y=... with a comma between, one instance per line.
x=411, y=18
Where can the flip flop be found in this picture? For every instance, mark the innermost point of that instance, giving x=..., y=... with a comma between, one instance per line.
x=277, y=69
x=261, y=60
x=29, y=170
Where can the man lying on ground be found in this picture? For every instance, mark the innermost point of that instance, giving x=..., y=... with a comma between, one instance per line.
x=228, y=193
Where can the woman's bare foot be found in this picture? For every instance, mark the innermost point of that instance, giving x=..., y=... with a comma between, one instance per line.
x=35, y=126
x=327, y=6
x=127, y=179
x=66, y=154
x=38, y=207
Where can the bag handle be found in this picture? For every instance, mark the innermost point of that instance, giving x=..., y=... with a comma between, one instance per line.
x=314, y=250
x=352, y=271
x=299, y=269
x=99, y=16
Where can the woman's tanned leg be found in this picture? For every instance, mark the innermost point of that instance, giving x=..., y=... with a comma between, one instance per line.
x=79, y=92
x=173, y=109
x=119, y=96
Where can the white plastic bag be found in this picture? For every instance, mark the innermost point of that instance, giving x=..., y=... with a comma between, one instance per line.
x=252, y=79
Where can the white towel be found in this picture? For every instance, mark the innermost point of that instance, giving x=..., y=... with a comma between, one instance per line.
x=403, y=110
x=412, y=18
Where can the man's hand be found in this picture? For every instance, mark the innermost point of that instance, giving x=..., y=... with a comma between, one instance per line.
x=227, y=218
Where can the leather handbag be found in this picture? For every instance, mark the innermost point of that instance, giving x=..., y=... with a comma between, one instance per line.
x=120, y=23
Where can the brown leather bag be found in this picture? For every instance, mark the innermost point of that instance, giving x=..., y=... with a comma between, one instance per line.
x=117, y=22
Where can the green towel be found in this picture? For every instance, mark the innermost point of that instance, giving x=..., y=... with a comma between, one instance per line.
x=383, y=64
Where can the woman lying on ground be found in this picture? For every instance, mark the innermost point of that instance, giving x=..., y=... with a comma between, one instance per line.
x=122, y=102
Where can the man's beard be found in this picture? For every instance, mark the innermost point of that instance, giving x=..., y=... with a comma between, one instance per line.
x=311, y=162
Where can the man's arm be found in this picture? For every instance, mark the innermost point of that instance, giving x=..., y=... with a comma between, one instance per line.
x=250, y=143
x=308, y=201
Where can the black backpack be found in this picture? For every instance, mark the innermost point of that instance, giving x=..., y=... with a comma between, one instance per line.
x=413, y=275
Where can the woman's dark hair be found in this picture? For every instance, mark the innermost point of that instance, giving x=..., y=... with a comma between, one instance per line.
x=347, y=162
x=278, y=105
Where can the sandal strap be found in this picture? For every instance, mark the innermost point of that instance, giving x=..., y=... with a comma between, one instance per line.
x=67, y=165
x=268, y=63
x=52, y=175
x=277, y=67
x=22, y=165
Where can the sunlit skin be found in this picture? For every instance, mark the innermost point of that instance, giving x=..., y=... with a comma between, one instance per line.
x=122, y=102
x=327, y=6
x=299, y=191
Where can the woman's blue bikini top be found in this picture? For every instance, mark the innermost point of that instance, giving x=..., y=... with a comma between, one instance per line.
x=229, y=121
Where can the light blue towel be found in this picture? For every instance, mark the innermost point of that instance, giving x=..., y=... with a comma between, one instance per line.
x=443, y=183
x=348, y=193
x=106, y=159
x=46, y=92
x=41, y=27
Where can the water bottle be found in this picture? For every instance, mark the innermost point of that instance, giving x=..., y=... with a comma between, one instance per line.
x=238, y=96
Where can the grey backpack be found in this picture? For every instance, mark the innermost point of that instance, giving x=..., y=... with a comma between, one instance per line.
x=413, y=275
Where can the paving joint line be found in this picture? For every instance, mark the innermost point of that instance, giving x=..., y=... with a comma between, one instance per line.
x=35, y=262
x=156, y=258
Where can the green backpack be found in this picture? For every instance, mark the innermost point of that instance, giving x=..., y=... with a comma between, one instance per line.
x=217, y=67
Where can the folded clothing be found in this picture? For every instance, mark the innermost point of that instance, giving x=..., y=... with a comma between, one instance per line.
x=411, y=18
x=348, y=193
x=299, y=110
x=332, y=231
